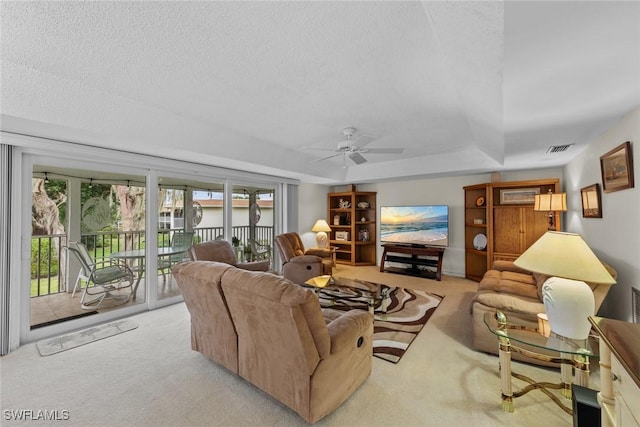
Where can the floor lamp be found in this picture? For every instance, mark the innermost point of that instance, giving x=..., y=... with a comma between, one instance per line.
x=568, y=300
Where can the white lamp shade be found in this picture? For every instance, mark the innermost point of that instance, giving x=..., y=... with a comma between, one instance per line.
x=568, y=304
x=321, y=225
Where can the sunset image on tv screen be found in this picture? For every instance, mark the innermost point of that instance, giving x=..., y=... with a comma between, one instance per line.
x=418, y=225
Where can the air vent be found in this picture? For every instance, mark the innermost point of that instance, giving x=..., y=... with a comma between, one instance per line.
x=559, y=148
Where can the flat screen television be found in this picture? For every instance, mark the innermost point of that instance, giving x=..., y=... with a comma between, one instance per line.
x=422, y=225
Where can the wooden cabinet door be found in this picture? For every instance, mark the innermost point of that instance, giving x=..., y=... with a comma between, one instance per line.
x=517, y=228
x=507, y=231
x=534, y=226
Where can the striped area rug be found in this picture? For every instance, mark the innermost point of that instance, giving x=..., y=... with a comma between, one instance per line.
x=398, y=319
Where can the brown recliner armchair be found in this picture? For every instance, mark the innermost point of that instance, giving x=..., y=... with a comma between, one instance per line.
x=222, y=251
x=299, y=265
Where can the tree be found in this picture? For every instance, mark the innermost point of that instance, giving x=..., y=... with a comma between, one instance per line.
x=45, y=221
x=131, y=211
x=45, y=213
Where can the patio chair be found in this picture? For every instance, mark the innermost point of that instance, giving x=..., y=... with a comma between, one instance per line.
x=259, y=251
x=103, y=277
x=179, y=240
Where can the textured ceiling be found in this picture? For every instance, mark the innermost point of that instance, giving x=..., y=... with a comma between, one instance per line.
x=463, y=87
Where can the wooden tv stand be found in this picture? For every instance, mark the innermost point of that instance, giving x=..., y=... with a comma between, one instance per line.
x=420, y=256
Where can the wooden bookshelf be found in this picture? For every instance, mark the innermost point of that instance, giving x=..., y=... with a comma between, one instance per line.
x=352, y=218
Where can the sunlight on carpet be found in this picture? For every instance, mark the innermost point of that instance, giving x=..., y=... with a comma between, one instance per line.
x=60, y=343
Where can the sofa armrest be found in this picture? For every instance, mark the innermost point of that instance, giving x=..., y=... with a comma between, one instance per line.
x=255, y=265
x=305, y=259
x=345, y=331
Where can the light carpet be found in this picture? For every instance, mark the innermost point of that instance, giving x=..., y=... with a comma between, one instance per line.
x=76, y=339
x=151, y=377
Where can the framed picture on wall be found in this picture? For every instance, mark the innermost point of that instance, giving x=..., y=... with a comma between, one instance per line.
x=616, y=167
x=591, y=203
x=518, y=196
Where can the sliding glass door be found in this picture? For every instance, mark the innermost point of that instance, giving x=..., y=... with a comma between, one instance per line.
x=100, y=213
x=138, y=212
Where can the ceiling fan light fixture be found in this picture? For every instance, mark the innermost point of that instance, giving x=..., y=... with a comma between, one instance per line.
x=344, y=145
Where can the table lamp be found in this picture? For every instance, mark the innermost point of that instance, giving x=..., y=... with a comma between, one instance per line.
x=568, y=300
x=551, y=203
x=320, y=228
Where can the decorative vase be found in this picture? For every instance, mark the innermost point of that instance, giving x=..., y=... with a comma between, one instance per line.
x=568, y=304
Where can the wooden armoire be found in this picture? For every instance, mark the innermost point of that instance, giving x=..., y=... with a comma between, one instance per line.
x=500, y=222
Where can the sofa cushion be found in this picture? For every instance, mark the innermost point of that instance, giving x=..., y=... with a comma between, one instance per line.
x=503, y=265
x=509, y=302
x=509, y=282
x=214, y=250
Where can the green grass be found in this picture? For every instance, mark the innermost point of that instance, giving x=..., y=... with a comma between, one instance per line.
x=44, y=286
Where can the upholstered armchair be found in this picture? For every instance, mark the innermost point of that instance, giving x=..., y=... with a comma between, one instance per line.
x=222, y=251
x=298, y=264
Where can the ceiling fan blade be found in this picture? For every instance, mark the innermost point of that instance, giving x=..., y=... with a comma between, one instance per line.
x=318, y=149
x=383, y=150
x=363, y=140
x=326, y=158
x=357, y=158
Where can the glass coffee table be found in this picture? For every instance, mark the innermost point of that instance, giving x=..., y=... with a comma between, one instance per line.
x=516, y=336
x=344, y=293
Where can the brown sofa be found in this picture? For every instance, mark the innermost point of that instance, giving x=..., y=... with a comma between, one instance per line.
x=274, y=334
x=298, y=264
x=518, y=294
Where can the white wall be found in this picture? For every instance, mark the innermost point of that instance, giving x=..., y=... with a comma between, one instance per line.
x=312, y=205
x=615, y=237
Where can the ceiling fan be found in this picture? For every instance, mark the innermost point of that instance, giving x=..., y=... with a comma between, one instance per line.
x=353, y=148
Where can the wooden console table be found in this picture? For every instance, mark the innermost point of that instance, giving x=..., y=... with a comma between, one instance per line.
x=420, y=256
x=619, y=395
